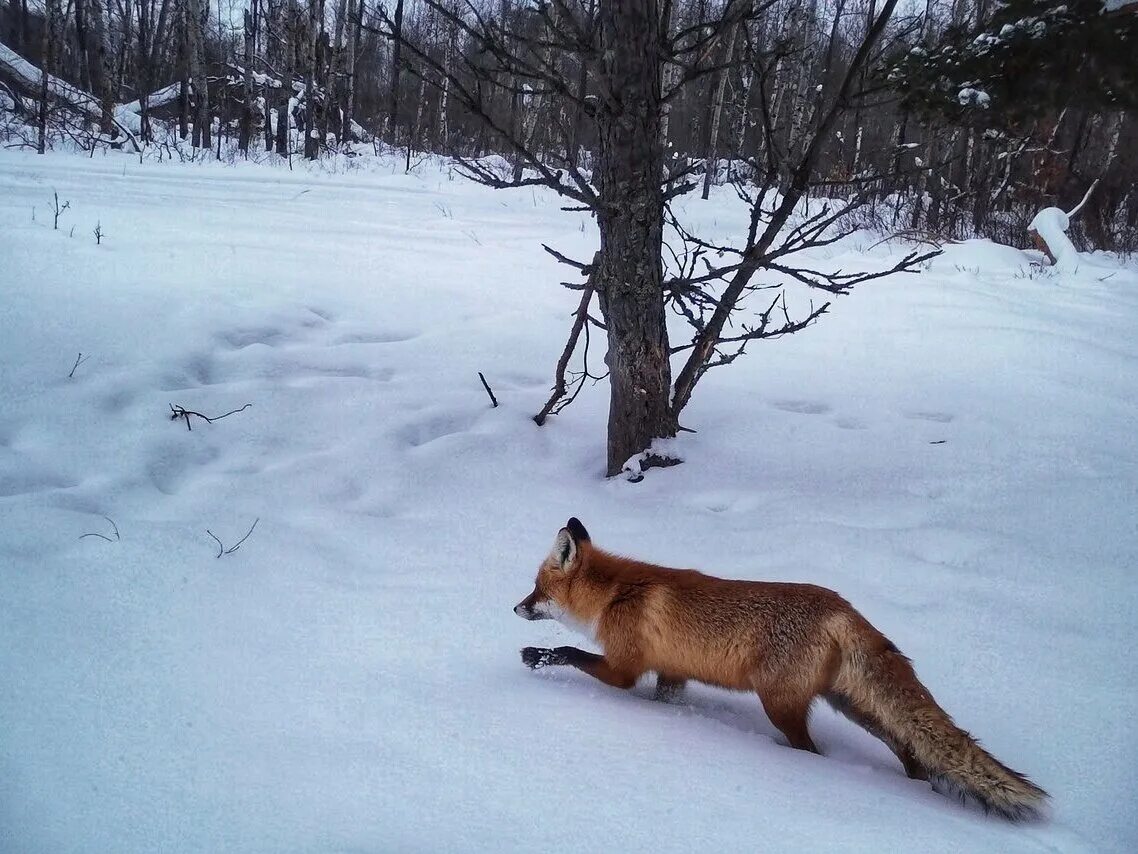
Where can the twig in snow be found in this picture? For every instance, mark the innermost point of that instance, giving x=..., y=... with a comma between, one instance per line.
x=104, y=536
x=486, y=386
x=58, y=210
x=177, y=412
x=79, y=360
x=222, y=550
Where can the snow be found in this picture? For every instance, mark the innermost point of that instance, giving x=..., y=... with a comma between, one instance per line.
x=954, y=452
x=157, y=99
x=968, y=96
x=83, y=101
x=1051, y=224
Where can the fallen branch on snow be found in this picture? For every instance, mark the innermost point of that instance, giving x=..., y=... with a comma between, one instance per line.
x=222, y=550
x=79, y=360
x=104, y=536
x=177, y=412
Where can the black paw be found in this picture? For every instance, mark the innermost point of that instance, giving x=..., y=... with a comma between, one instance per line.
x=534, y=657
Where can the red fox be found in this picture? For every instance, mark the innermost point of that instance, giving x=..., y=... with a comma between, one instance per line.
x=789, y=643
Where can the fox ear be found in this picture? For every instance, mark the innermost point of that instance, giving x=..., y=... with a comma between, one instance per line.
x=574, y=527
x=565, y=547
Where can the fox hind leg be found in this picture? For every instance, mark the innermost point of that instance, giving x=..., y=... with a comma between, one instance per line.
x=789, y=714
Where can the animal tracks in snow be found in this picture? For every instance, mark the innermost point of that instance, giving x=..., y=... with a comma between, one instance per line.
x=435, y=427
x=304, y=347
x=377, y=337
x=938, y=417
x=846, y=422
x=803, y=407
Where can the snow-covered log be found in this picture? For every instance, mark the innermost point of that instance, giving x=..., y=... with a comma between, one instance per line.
x=159, y=98
x=24, y=75
x=1049, y=228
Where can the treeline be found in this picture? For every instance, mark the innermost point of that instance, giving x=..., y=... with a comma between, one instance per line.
x=970, y=116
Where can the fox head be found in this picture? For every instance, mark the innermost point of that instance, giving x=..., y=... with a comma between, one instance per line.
x=550, y=597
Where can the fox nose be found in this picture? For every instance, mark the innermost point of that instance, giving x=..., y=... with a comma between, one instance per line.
x=520, y=610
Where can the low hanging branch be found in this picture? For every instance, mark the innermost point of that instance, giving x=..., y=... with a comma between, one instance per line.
x=580, y=321
x=177, y=412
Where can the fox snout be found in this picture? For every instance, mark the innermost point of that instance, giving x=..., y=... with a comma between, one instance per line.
x=531, y=609
x=528, y=611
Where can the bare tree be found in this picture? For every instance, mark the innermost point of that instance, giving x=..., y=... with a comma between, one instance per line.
x=246, y=127
x=629, y=190
x=391, y=121
x=199, y=86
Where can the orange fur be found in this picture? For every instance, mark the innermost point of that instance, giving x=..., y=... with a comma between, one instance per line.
x=789, y=643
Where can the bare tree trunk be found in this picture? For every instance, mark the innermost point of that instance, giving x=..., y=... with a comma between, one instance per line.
x=82, y=44
x=246, y=130
x=414, y=130
x=97, y=63
x=183, y=71
x=444, y=97
x=335, y=74
x=396, y=66
x=196, y=64
x=581, y=91
x=151, y=38
x=312, y=76
x=325, y=77
x=290, y=26
x=798, y=139
x=49, y=46
x=355, y=25
x=670, y=74
x=720, y=86
x=515, y=97
x=630, y=216
x=19, y=30
x=126, y=21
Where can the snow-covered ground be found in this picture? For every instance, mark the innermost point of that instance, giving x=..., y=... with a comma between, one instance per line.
x=954, y=452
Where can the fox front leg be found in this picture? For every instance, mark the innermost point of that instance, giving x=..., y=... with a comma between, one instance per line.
x=534, y=657
x=595, y=665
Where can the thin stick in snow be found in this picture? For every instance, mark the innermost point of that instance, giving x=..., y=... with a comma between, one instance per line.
x=222, y=550
x=79, y=360
x=114, y=527
x=177, y=412
x=486, y=386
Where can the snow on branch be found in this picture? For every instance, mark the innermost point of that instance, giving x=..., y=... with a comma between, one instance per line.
x=1049, y=228
x=27, y=76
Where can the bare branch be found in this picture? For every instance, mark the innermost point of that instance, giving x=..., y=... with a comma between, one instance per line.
x=222, y=550
x=79, y=360
x=114, y=528
x=177, y=412
x=486, y=386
